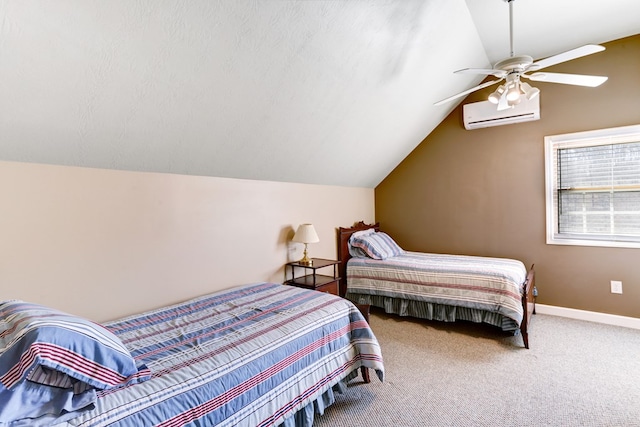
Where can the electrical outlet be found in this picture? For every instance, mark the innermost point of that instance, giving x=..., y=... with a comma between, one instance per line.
x=616, y=287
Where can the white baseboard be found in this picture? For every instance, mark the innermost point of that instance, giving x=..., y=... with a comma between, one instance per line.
x=591, y=316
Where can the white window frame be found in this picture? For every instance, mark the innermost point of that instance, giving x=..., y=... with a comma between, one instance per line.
x=573, y=140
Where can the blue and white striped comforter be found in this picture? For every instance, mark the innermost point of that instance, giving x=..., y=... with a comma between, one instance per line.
x=484, y=283
x=248, y=356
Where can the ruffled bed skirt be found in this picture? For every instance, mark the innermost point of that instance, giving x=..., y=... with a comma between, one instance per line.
x=432, y=311
x=304, y=417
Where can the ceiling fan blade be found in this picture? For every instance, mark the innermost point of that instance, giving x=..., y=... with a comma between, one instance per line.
x=483, y=71
x=569, y=79
x=566, y=56
x=473, y=89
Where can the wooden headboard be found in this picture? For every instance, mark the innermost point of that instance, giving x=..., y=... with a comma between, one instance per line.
x=343, y=249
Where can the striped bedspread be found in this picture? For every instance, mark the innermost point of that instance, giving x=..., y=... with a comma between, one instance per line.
x=248, y=356
x=483, y=283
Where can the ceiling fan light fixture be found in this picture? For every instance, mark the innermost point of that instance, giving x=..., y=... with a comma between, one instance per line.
x=513, y=102
x=494, y=98
x=529, y=92
x=513, y=94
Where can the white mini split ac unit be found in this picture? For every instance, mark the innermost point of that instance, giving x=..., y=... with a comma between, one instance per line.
x=485, y=114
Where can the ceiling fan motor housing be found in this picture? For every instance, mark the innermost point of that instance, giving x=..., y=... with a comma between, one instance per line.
x=515, y=63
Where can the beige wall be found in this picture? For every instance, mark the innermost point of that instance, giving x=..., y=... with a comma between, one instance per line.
x=481, y=192
x=104, y=244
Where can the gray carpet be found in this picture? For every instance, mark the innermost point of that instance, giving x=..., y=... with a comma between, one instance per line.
x=576, y=373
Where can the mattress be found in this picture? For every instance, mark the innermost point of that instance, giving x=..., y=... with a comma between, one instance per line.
x=480, y=284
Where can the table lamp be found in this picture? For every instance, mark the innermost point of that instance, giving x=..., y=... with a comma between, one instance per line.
x=306, y=234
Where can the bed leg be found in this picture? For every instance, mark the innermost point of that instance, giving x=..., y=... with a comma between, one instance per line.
x=528, y=305
x=365, y=310
x=365, y=374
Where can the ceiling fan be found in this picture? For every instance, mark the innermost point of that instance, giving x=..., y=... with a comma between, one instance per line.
x=514, y=68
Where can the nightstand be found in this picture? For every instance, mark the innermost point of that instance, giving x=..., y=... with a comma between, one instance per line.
x=306, y=276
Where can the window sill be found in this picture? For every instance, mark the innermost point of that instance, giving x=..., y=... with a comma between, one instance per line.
x=592, y=243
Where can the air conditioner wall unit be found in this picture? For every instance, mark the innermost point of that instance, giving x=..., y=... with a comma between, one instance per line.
x=485, y=114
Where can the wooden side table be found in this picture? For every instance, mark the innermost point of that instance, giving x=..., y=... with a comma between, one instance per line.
x=306, y=276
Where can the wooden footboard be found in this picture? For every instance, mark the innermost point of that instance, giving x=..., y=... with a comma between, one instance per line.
x=528, y=305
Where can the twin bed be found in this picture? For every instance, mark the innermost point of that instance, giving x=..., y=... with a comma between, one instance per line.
x=256, y=355
x=374, y=270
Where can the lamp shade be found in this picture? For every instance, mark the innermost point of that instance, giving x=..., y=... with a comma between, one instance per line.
x=306, y=234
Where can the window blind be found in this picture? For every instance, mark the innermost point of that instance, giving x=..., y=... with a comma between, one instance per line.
x=598, y=191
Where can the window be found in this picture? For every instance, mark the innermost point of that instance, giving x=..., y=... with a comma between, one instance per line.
x=593, y=188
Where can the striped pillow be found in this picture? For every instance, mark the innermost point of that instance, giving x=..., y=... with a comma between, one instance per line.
x=376, y=245
x=50, y=347
x=356, y=252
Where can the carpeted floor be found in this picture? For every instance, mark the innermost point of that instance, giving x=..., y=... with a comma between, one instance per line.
x=576, y=373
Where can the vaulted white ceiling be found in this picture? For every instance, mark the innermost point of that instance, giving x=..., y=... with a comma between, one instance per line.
x=326, y=92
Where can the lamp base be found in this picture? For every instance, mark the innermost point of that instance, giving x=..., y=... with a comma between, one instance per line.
x=305, y=258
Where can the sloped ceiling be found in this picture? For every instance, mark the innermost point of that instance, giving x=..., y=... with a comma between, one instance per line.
x=322, y=92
